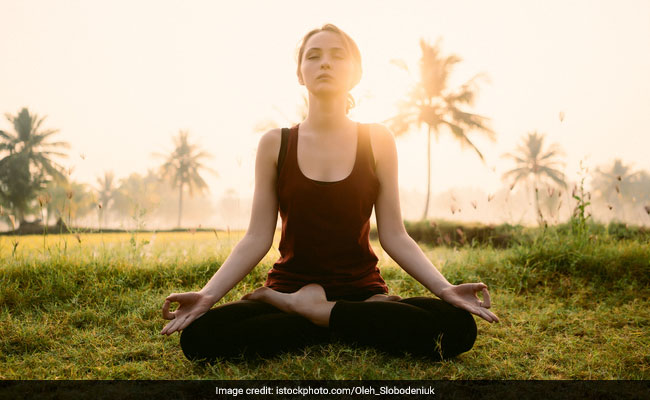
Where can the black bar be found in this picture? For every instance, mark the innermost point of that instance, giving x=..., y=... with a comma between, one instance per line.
x=326, y=389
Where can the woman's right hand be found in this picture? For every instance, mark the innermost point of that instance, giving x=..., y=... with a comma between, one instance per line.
x=191, y=306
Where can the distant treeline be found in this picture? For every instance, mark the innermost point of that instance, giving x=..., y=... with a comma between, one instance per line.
x=429, y=232
x=453, y=234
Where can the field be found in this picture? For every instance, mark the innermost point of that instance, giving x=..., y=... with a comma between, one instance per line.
x=572, y=306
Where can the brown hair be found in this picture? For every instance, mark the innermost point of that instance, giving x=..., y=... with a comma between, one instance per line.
x=350, y=46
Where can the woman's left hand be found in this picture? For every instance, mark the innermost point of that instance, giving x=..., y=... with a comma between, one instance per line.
x=464, y=296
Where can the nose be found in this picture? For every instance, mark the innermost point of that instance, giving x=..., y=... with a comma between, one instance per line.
x=325, y=64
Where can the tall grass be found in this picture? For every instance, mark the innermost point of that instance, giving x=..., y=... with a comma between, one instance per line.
x=571, y=306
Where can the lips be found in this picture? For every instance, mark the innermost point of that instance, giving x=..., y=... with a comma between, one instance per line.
x=324, y=76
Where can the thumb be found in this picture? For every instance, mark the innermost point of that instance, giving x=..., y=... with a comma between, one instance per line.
x=173, y=297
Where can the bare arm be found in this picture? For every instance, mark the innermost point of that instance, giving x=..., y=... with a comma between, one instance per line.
x=259, y=237
x=392, y=234
x=403, y=249
x=405, y=252
x=246, y=254
x=241, y=261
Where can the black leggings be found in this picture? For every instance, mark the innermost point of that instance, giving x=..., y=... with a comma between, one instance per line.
x=422, y=326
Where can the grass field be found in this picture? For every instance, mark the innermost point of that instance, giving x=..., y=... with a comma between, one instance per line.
x=88, y=307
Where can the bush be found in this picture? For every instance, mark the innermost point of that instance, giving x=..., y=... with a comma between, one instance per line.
x=446, y=233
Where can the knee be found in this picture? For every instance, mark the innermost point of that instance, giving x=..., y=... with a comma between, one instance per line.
x=203, y=341
x=190, y=342
x=468, y=330
x=461, y=335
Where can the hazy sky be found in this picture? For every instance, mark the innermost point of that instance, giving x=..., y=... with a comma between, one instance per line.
x=120, y=78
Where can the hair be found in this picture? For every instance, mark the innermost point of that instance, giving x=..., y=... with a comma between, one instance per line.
x=350, y=46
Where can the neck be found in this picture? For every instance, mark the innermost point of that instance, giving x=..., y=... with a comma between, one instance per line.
x=327, y=114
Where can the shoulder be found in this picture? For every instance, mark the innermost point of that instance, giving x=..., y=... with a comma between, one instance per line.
x=269, y=144
x=382, y=141
x=380, y=133
x=271, y=137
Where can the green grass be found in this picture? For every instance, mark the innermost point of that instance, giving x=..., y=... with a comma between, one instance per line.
x=571, y=307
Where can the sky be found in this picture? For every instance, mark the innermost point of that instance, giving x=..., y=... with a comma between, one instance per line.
x=119, y=79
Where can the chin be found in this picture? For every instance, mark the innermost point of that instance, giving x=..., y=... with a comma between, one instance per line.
x=327, y=92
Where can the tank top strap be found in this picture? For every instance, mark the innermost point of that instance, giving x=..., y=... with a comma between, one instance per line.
x=289, y=150
x=283, y=149
x=368, y=157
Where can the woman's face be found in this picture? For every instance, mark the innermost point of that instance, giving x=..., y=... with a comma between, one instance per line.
x=325, y=53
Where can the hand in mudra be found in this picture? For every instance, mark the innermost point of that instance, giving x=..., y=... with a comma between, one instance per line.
x=191, y=306
x=464, y=296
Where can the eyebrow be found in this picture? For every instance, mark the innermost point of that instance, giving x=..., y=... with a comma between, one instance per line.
x=333, y=48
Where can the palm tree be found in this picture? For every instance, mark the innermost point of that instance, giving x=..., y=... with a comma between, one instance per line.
x=106, y=192
x=430, y=101
x=30, y=154
x=531, y=160
x=615, y=186
x=17, y=185
x=182, y=168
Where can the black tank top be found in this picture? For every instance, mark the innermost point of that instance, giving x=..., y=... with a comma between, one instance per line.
x=283, y=153
x=325, y=226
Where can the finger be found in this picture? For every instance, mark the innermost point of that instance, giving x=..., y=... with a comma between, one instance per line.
x=172, y=327
x=183, y=322
x=487, y=303
x=490, y=315
x=484, y=314
x=475, y=288
x=186, y=322
x=165, y=329
x=494, y=317
x=169, y=328
x=165, y=311
x=172, y=297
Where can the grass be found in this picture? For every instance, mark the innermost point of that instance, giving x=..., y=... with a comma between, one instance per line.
x=571, y=307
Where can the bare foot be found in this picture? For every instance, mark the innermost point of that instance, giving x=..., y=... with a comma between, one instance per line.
x=383, y=297
x=309, y=301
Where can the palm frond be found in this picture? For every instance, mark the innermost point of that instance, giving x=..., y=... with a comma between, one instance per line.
x=557, y=176
x=459, y=133
x=519, y=170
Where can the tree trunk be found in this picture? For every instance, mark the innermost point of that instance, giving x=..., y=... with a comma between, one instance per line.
x=538, y=214
x=103, y=217
x=21, y=217
x=180, y=204
x=426, y=203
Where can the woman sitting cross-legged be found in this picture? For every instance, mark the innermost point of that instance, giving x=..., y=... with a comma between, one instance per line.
x=324, y=175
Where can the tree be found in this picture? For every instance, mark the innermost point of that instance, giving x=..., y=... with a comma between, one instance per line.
x=532, y=160
x=430, y=101
x=615, y=186
x=182, y=168
x=28, y=160
x=69, y=201
x=17, y=185
x=136, y=195
x=106, y=192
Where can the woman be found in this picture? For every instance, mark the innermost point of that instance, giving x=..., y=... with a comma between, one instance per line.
x=324, y=177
